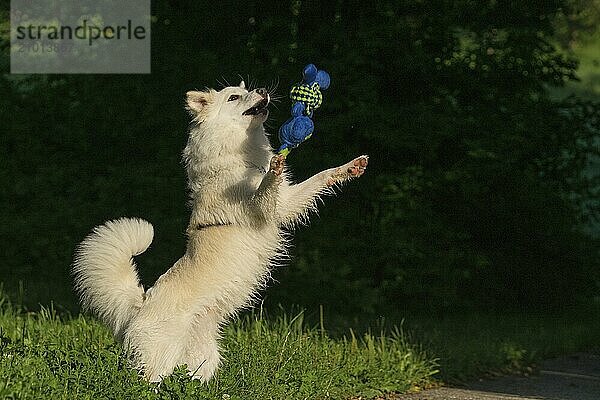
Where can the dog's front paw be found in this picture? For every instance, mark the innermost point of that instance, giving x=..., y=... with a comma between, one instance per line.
x=276, y=165
x=353, y=169
x=358, y=166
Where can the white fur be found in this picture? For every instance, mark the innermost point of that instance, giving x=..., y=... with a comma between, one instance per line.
x=235, y=235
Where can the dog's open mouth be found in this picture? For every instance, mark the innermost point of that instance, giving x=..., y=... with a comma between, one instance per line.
x=258, y=108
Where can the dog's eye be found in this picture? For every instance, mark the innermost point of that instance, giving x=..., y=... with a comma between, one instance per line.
x=233, y=97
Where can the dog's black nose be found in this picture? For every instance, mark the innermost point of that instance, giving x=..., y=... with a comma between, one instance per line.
x=262, y=91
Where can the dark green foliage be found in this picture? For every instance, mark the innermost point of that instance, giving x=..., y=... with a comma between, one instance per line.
x=474, y=193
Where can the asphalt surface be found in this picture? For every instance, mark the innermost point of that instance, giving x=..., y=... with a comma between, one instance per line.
x=574, y=377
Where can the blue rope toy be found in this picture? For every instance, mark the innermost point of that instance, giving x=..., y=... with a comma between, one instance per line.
x=307, y=97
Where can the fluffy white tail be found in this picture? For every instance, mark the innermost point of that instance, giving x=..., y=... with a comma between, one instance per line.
x=105, y=274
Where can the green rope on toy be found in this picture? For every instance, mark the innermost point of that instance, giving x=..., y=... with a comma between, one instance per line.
x=306, y=97
x=311, y=96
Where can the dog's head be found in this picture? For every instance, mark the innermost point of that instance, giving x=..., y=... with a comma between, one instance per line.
x=233, y=105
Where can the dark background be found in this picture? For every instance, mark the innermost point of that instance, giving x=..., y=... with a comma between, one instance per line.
x=481, y=192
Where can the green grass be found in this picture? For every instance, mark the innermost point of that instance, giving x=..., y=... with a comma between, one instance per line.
x=45, y=356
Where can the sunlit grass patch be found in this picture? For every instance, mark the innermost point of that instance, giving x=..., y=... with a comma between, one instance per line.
x=43, y=355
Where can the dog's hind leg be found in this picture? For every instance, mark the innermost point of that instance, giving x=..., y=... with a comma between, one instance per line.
x=295, y=201
x=158, y=358
x=203, y=361
x=202, y=349
x=154, y=346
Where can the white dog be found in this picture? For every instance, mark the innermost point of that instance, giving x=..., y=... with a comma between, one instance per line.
x=241, y=202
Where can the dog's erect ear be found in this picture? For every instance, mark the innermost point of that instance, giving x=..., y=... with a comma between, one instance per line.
x=243, y=85
x=197, y=101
